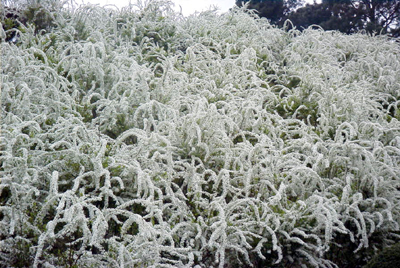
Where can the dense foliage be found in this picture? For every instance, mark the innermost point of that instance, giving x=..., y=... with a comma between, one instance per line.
x=388, y=258
x=140, y=138
x=16, y=14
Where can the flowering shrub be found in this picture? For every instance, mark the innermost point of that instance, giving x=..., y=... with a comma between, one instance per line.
x=141, y=138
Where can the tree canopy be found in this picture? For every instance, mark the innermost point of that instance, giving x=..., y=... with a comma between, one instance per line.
x=347, y=16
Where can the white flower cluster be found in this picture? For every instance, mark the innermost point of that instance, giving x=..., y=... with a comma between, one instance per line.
x=141, y=138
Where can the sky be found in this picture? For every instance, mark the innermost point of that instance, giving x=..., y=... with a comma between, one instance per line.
x=188, y=6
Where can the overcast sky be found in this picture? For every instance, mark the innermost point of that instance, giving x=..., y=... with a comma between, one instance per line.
x=188, y=6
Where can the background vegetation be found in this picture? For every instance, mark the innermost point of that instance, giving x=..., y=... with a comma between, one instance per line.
x=141, y=138
x=346, y=16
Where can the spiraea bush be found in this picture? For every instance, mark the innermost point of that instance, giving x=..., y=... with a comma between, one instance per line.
x=142, y=138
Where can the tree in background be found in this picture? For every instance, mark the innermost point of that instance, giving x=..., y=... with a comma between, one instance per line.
x=347, y=16
x=330, y=15
x=274, y=10
x=381, y=15
x=374, y=16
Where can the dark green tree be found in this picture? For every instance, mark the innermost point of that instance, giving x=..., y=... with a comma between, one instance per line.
x=349, y=16
x=271, y=9
x=381, y=16
x=274, y=10
x=337, y=15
